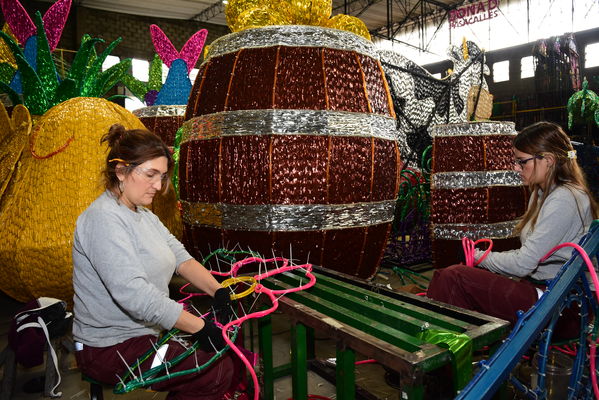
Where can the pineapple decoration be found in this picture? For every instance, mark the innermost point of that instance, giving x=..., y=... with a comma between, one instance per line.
x=166, y=104
x=246, y=14
x=51, y=172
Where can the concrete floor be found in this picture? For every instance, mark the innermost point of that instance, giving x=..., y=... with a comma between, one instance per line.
x=369, y=376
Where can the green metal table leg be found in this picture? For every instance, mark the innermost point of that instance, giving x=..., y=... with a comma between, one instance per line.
x=346, y=373
x=299, y=363
x=265, y=346
x=311, y=352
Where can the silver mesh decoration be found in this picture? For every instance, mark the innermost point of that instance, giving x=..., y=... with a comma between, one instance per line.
x=289, y=122
x=279, y=217
x=291, y=35
x=474, y=129
x=459, y=180
x=499, y=230
x=160, y=111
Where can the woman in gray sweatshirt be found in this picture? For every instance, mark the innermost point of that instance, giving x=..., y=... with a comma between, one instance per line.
x=561, y=209
x=123, y=261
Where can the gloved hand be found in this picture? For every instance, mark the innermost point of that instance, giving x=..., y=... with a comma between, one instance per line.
x=221, y=306
x=209, y=338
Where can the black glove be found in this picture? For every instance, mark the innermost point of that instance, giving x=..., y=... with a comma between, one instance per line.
x=209, y=338
x=221, y=306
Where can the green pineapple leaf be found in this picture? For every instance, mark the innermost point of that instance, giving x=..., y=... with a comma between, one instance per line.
x=107, y=79
x=6, y=72
x=95, y=69
x=82, y=58
x=12, y=45
x=137, y=87
x=46, y=69
x=35, y=96
x=67, y=89
x=155, y=74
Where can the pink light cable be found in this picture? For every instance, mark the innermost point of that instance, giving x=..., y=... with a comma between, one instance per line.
x=469, y=247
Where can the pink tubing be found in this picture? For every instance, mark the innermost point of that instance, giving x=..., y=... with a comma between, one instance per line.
x=593, y=274
x=469, y=246
x=275, y=303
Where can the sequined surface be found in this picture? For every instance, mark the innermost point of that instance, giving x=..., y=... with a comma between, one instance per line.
x=286, y=122
x=280, y=217
x=349, y=23
x=291, y=142
x=474, y=129
x=448, y=180
x=38, y=218
x=291, y=35
x=499, y=230
x=474, y=190
x=160, y=111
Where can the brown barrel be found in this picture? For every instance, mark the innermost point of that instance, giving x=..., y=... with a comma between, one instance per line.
x=289, y=148
x=475, y=191
x=165, y=120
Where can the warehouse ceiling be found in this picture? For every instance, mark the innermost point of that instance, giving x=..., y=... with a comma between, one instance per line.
x=380, y=16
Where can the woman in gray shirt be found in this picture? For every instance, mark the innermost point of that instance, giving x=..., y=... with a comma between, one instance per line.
x=123, y=260
x=561, y=209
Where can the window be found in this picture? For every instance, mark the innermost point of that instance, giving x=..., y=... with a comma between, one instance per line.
x=501, y=71
x=527, y=67
x=140, y=69
x=193, y=74
x=109, y=62
x=591, y=55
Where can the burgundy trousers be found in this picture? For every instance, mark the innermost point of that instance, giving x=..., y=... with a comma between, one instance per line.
x=495, y=295
x=104, y=364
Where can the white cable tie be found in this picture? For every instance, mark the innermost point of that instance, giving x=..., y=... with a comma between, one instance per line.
x=127, y=365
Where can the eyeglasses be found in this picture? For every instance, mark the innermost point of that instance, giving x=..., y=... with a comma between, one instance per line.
x=522, y=162
x=151, y=175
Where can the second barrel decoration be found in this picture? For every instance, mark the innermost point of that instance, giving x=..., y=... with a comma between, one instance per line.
x=289, y=148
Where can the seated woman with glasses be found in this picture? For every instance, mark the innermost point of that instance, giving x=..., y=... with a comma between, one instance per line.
x=561, y=209
x=123, y=261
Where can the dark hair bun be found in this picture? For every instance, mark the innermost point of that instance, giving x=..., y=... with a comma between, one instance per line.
x=114, y=135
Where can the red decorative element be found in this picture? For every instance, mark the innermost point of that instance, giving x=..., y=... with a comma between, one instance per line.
x=189, y=53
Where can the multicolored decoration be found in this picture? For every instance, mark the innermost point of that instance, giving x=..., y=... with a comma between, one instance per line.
x=290, y=147
x=475, y=191
x=26, y=31
x=583, y=106
x=247, y=14
x=56, y=178
x=421, y=100
x=50, y=173
x=42, y=88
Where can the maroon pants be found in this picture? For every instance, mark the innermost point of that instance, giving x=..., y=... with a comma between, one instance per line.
x=496, y=295
x=104, y=364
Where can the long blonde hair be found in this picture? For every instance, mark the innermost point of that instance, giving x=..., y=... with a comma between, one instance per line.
x=544, y=139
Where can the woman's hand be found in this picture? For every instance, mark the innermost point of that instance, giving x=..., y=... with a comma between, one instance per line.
x=209, y=338
x=221, y=306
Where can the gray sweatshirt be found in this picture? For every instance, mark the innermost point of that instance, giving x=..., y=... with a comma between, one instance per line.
x=565, y=217
x=123, y=262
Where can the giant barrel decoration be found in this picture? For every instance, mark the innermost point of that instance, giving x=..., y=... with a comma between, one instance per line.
x=165, y=120
x=289, y=148
x=475, y=191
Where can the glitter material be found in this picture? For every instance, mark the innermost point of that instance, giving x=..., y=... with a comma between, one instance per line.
x=54, y=20
x=474, y=129
x=23, y=27
x=15, y=132
x=160, y=111
x=38, y=220
x=291, y=35
x=189, y=53
x=155, y=74
x=449, y=180
x=349, y=23
x=5, y=53
x=17, y=18
x=277, y=217
x=474, y=190
x=343, y=74
x=285, y=122
x=310, y=12
x=500, y=230
x=177, y=87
